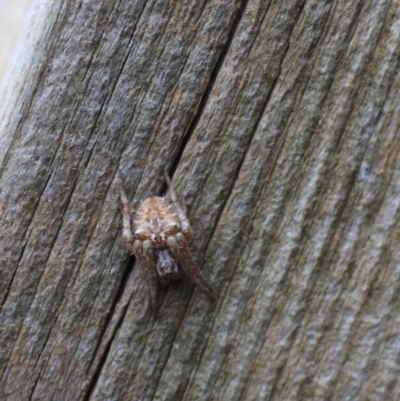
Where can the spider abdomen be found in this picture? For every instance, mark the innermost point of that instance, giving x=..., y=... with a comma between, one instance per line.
x=156, y=220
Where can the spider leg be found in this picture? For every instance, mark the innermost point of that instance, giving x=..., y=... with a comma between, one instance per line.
x=144, y=255
x=127, y=234
x=181, y=251
x=180, y=211
x=142, y=251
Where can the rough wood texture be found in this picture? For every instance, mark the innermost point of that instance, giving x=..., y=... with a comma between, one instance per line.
x=279, y=120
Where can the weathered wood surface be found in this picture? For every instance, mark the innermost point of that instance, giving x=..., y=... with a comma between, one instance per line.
x=280, y=121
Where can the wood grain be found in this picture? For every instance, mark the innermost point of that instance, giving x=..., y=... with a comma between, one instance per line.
x=278, y=121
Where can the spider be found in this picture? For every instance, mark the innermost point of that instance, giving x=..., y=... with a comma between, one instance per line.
x=159, y=241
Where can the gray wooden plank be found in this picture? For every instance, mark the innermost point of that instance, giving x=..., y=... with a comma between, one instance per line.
x=279, y=122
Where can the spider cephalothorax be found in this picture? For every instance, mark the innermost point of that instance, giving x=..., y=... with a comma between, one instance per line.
x=159, y=241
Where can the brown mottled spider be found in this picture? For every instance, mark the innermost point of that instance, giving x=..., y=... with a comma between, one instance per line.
x=159, y=241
